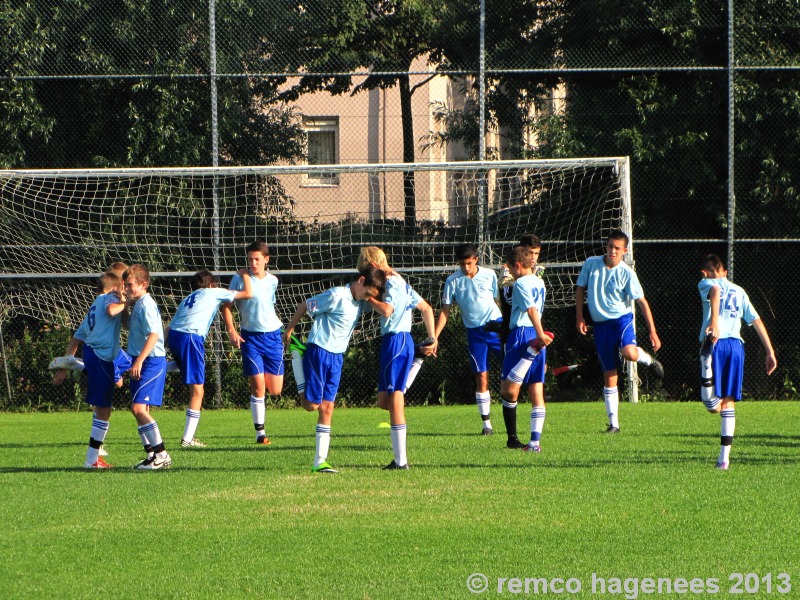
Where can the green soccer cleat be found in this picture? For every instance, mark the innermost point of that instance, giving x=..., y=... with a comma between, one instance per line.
x=295, y=345
x=323, y=468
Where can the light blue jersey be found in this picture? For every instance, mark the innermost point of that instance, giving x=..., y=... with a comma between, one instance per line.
x=734, y=305
x=403, y=299
x=336, y=315
x=145, y=319
x=475, y=296
x=528, y=292
x=196, y=312
x=257, y=314
x=609, y=291
x=100, y=331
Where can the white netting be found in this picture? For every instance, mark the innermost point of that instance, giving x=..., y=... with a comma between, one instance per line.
x=60, y=228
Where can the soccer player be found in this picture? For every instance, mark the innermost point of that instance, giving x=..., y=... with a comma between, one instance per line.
x=525, y=358
x=336, y=313
x=610, y=285
x=186, y=337
x=149, y=369
x=260, y=338
x=103, y=359
x=725, y=304
x=474, y=289
x=397, y=348
x=507, y=287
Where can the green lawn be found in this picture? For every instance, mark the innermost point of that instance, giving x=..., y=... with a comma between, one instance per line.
x=240, y=521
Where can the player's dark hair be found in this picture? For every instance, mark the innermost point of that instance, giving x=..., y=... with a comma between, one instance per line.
x=374, y=277
x=107, y=281
x=712, y=263
x=138, y=273
x=619, y=236
x=204, y=279
x=521, y=255
x=258, y=246
x=466, y=251
x=530, y=241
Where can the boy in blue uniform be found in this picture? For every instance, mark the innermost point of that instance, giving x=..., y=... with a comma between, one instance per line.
x=336, y=313
x=186, y=338
x=260, y=338
x=149, y=369
x=525, y=358
x=610, y=285
x=725, y=304
x=474, y=289
x=104, y=361
x=397, y=347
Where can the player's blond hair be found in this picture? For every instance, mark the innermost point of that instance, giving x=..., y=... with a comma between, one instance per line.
x=117, y=267
x=137, y=273
x=108, y=281
x=372, y=255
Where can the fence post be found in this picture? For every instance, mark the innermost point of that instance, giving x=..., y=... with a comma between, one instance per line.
x=5, y=362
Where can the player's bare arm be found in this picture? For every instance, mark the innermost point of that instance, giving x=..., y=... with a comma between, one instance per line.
x=580, y=322
x=644, y=306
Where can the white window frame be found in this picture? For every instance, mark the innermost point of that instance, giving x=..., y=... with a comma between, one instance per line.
x=313, y=125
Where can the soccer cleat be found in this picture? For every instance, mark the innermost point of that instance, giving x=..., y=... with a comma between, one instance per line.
x=708, y=345
x=657, y=369
x=99, y=464
x=66, y=362
x=323, y=468
x=101, y=451
x=531, y=448
x=172, y=367
x=536, y=344
x=514, y=444
x=423, y=344
x=156, y=462
x=487, y=431
x=392, y=466
x=723, y=466
x=195, y=443
x=612, y=429
x=147, y=460
x=295, y=345
x=263, y=440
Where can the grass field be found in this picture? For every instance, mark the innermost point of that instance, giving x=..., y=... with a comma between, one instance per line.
x=239, y=521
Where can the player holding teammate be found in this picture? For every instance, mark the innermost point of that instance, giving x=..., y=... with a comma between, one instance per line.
x=725, y=304
x=609, y=285
x=186, y=338
x=474, y=289
x=260, y=338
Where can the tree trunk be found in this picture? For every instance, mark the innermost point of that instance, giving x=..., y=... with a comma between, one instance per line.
x=410, y=213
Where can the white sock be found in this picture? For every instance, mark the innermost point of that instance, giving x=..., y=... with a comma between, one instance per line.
x=727, y=427
x=520, y=370
x=399, y=444
x=258, y=411
x=483, y=400
x=143, y=437
x=412, y=373
x=153, y=434
x=537, y=424
x=297, y=370
x=323, y=444
x=611, y=399
x=644, y=358
x=707, y=391
x=192, y=421
x=99, y=430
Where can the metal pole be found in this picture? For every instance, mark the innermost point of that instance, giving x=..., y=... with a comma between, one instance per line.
x=212, y=25
x=5, y=363
x=731, y=131
x=482, y=183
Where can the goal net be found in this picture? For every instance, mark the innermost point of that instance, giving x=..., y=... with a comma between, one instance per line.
x=59, y=229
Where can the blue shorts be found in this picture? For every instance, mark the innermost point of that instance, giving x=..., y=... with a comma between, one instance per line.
x=612, y=335
x=102, y=376
x=516, y=348
x=149, y=388
x=262, y=353
x=480, y=343
x=397, y=354
x=189, y=352
x=323, y=371
x=727, y=361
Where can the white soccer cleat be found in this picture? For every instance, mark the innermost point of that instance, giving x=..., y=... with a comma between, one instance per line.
x=66, y=362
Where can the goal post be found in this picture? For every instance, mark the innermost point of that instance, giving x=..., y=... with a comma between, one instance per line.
x=60, y=228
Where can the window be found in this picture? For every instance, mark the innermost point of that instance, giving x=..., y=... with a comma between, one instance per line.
x=322, y=135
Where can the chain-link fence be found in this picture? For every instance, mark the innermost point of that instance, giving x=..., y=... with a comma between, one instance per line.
x=704, y=97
